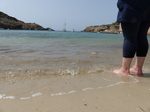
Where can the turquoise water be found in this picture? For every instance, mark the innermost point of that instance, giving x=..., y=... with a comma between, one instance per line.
x=22, y=50
x=39, y=39
x=44, y=41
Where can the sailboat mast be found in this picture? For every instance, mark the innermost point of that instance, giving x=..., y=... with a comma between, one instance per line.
x=64, y=27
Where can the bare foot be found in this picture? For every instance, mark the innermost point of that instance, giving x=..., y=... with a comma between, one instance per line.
x=121, y=72
x=135, y=71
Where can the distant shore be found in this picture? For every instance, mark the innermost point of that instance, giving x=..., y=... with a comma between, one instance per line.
x=110, y=28
x=8, y=22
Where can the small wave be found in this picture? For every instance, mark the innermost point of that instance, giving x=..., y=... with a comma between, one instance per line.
x=59, y=71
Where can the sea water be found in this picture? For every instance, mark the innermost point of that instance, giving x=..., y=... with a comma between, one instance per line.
x=58, y=53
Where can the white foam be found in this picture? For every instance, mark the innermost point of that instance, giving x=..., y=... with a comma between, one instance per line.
x=64, y=93
x=36, y=94
x=70, y=92
x=9, y=97
x=25, y=98
x=72, y=72
x=85, y=89
x=58, y=94
x=3, y=96
x=93, y=52
x=68, y=71
x=94, y=70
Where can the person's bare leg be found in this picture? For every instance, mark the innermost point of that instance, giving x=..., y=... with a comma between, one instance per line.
x=125, y=69
x=137, y=68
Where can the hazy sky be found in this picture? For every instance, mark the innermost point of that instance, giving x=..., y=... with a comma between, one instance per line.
x=77, y=14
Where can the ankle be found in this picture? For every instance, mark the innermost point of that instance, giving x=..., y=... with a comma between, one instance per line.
x=126, y=70
x=137, y=68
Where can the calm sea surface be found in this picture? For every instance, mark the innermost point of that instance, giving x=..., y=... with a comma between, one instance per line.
x=58, y=53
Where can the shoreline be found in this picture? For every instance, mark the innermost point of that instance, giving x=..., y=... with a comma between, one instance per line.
x=49, y=72
x=98, y=92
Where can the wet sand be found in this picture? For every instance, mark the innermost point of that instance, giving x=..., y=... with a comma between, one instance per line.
x=100, y=92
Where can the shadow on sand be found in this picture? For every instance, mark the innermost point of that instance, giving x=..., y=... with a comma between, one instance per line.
x=144, y=75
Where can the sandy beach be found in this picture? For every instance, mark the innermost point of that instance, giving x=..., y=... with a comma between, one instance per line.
x=102, y=92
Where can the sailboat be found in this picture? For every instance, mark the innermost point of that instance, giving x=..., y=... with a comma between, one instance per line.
x=64, y=30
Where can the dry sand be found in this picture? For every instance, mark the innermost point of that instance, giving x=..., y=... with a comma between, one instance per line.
x=104, y=92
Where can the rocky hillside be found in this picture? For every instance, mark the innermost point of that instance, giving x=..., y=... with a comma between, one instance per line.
x=110, y=28
x=8, y=22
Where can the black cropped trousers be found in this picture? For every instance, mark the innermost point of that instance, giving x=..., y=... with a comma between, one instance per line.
x=135, y=39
